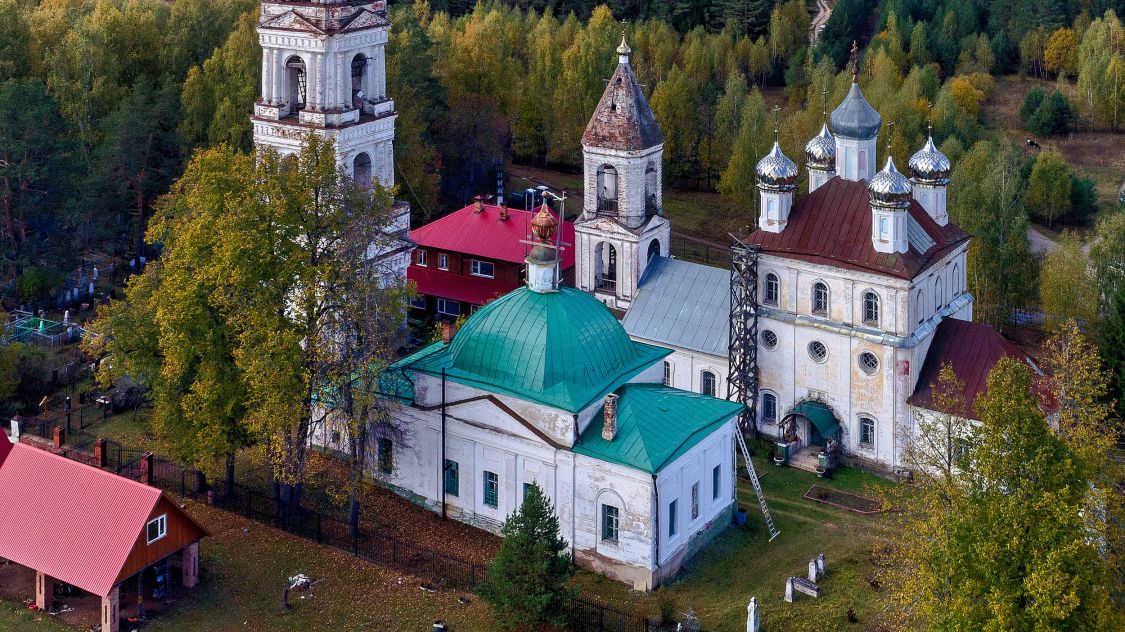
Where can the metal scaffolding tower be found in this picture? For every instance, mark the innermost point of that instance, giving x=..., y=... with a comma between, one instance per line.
x=742, y=380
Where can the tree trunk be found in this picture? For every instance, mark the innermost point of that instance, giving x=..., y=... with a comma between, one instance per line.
x=229, y=483
x=353, y=516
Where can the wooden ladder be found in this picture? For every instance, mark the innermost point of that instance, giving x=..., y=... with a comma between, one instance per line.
x=757, y=486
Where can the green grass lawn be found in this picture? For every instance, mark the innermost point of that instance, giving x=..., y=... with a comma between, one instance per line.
x=741, y=562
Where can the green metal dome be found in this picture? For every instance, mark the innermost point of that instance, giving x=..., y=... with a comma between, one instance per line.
x=563, y=348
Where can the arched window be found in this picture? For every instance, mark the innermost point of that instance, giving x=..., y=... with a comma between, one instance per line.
x=652, y=185
x=871, y=308
x=939, y=299
x=359, y=79
x=295, y=70
x=820, y=299
x=667, y=373
x=862, y=162
x=361, y=169
x=607, y=189
x=884, y=228
x=707, y=383
x=920, y=307
x=772, y=290
x=653, y=249
x=605, y=270
x=769, y=408
x=956, y=282
x=867, y=432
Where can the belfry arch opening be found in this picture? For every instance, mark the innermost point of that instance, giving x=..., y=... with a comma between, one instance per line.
x=297, y=83
x=360, y=89
x=605, y=270
x=361, y=171
x=607, y=189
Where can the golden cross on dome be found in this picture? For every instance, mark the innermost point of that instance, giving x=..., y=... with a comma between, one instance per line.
x=776, y=129
x=855, y=60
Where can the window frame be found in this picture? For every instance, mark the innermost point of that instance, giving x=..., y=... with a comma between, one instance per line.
x=695, y=500
x=667, y=373
x=766, y=335
x=866, y=423
x=451, y=473
x=161, y=524
x=869, y=306
x=610, y=523
x=863, y=364
x=703, y=376
x=385, y=455
x=491, y=479
x=716, y=481
x=476, y=265
x=820, y=345
x=820, y=288
x=772, y=418
x=442, y=261
x=673, y=528
x=771, y=290
x=442, y=307
x=421, y=258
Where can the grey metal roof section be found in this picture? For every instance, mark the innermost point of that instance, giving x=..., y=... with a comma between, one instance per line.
x=682, y=304
x=917, y=236
x=855, y=118
x=623, y=119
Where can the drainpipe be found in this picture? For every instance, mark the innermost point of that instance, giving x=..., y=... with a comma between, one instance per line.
x=656, y=520
x=441, y=467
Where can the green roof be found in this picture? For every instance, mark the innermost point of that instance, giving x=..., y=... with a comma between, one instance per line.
x=820, y=415
x=655, y=425
x=563, y=349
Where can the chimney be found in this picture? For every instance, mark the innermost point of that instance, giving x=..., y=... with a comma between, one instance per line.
x=478, y=204
x=609, y=414
x=448, y=330
x=504, y=213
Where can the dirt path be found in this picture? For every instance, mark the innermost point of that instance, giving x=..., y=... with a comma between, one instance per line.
x=823, y=12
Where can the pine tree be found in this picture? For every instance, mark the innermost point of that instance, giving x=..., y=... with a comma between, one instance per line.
x=526, y=581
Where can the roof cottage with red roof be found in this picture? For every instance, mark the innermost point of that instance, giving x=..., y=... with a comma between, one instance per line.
x=475, y=255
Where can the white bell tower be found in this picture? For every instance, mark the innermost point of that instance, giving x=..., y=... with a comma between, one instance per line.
x=324, y=71
x=622, y=226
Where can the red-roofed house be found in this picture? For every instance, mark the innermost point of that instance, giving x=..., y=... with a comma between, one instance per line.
x=79, y=525
x=473, y=255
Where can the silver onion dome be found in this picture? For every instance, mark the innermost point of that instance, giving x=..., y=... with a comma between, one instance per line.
x=776, y=172
x=820, y=152
x=929, y=165
x=889, y=188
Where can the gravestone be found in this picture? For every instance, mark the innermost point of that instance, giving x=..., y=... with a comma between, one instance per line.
x=807, y=587
x=821, y=564
x=752, y=622
x=789, y=590
x=814, y=571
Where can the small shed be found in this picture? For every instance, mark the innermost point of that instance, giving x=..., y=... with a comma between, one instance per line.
x=89, y=528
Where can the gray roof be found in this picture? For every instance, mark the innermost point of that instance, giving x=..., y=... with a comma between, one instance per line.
x=623, y=120
x=682, y=304
x=855, y=118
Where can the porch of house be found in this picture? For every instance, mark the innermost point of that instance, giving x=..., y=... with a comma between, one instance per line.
x=150, y=591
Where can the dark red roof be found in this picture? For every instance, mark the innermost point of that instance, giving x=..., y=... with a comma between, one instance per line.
x=475, y=290
x=485, y=235
x=832, y=226
x=69, y=520
x=5, y=447
x=972, y=349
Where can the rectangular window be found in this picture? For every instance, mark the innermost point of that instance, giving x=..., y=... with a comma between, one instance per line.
x=769, y=408
x=483, y=268
x=672, y=519
x=448, y=307
x=695, y=501
x=156, y=528
x=866, y=431
x=667, y=374
x=491, y=489
x=418, y=302
x=421, y=257
x=707, y=381
x=716, y=481
x=526, y=490
x=386, y=455
x=609, y=523
x=443, y=261
x=452, y=478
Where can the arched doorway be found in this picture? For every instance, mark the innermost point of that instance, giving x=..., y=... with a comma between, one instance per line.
x=359, y=80
x=297, y=83
x=605, y=270
x=361, y=171
x=653, y=249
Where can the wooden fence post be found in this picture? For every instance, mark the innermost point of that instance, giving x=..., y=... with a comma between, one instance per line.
x=99, y=453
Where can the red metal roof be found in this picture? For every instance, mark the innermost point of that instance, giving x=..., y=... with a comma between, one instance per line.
x=485, y=235
x=972, y=349
x=475, y=290
x=832, y=226
x=71, y=521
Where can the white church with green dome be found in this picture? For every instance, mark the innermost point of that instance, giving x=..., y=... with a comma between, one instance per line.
x=543, y=385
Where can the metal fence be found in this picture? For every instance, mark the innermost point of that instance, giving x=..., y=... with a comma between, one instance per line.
x=439, y=569
x=699, y=251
